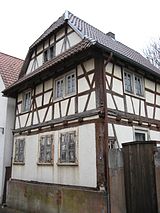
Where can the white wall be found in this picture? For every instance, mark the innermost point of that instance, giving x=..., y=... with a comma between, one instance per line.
x=3, y=107
x=139, y=105
x=7, y=114
x=82, y=175
x=125, y=134
x=67, y=105
x=9, y=125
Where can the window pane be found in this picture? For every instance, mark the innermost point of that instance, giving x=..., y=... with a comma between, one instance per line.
x=72, y=147
x=139, y=136
x=19, y=150
x=16, y=151
x=59, y=88
x=70, y=83
x=63, y=148
x=67, y=147
x=42, y=150
x=51, y=52
x=138, y=85
x=45, y=56
x=128, y=82
x=46, y=149
x=27, y=101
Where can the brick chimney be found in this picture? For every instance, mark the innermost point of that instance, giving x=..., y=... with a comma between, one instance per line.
x=112, y=35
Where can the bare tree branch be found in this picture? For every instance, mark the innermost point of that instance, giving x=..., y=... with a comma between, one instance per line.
x=152, y=52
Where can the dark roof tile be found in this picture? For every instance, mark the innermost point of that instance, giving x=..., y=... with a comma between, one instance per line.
x=86, y=30
x=90, y=35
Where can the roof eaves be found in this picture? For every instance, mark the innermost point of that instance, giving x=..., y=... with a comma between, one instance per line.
x=123, y=57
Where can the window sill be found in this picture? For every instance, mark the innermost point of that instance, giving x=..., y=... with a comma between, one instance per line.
x=44, y=164
x=19, y=163
x=66, y=96
x=24, y=112
x=133, y=95
x=67, y=164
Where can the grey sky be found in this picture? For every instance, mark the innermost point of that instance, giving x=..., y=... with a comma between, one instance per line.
x=135, y=23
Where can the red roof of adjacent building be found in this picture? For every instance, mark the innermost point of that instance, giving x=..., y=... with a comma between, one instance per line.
x=9, y=68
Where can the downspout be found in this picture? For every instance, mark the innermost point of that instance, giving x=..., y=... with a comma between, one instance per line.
x=106, y=148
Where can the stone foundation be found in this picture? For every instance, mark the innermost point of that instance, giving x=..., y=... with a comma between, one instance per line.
x=47, y=198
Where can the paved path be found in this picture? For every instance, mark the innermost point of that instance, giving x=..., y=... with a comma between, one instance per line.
x=8, y=210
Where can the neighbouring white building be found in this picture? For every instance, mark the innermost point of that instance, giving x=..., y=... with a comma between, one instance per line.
x=9, y=71
x=80, y=92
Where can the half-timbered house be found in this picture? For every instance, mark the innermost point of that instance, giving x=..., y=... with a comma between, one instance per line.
x=9, y=71
x=80, y=92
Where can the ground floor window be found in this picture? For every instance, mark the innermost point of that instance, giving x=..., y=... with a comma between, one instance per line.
x=68, y=147
x=46, y=149
x=141, y=135
x=19, y=151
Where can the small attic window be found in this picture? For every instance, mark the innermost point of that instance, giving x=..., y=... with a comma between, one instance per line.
x=46, y=55
x=51, y=52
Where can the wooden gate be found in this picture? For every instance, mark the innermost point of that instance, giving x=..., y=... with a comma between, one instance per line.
x=140, y=185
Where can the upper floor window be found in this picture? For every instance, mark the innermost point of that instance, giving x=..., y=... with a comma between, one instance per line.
x=68, y=147
x=46, y=149
x=133, y=83
x=19, y=151
x=59, y=88
x=128, y=82
x=138, y=85
x=26, y=103
x=70, y=83
x=65, y=86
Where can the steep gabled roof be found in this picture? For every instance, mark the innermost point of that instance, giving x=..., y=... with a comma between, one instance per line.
x=91, y=36
x=9, y=68
x=86, y=30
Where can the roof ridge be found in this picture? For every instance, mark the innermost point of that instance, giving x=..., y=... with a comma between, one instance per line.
x=86, y=36
x=47, y=33
x=86, y=30
x=93, y=28
x=12, y=56
x=85, y=22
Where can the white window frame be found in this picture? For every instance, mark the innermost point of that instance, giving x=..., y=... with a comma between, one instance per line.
x=133, y=88
x=17, y=156
x=65, y=92
x=66, y=83
x=63, y=89
x=141, y=131
x=45, y=161
x=24, y=108
x=67, y=162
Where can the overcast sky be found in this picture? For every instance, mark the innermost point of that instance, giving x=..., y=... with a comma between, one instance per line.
x=134, y=22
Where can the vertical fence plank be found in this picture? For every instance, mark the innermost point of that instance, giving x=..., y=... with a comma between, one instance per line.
x=139, y=175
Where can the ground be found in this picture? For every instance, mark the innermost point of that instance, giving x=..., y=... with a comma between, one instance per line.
x=8, y=210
